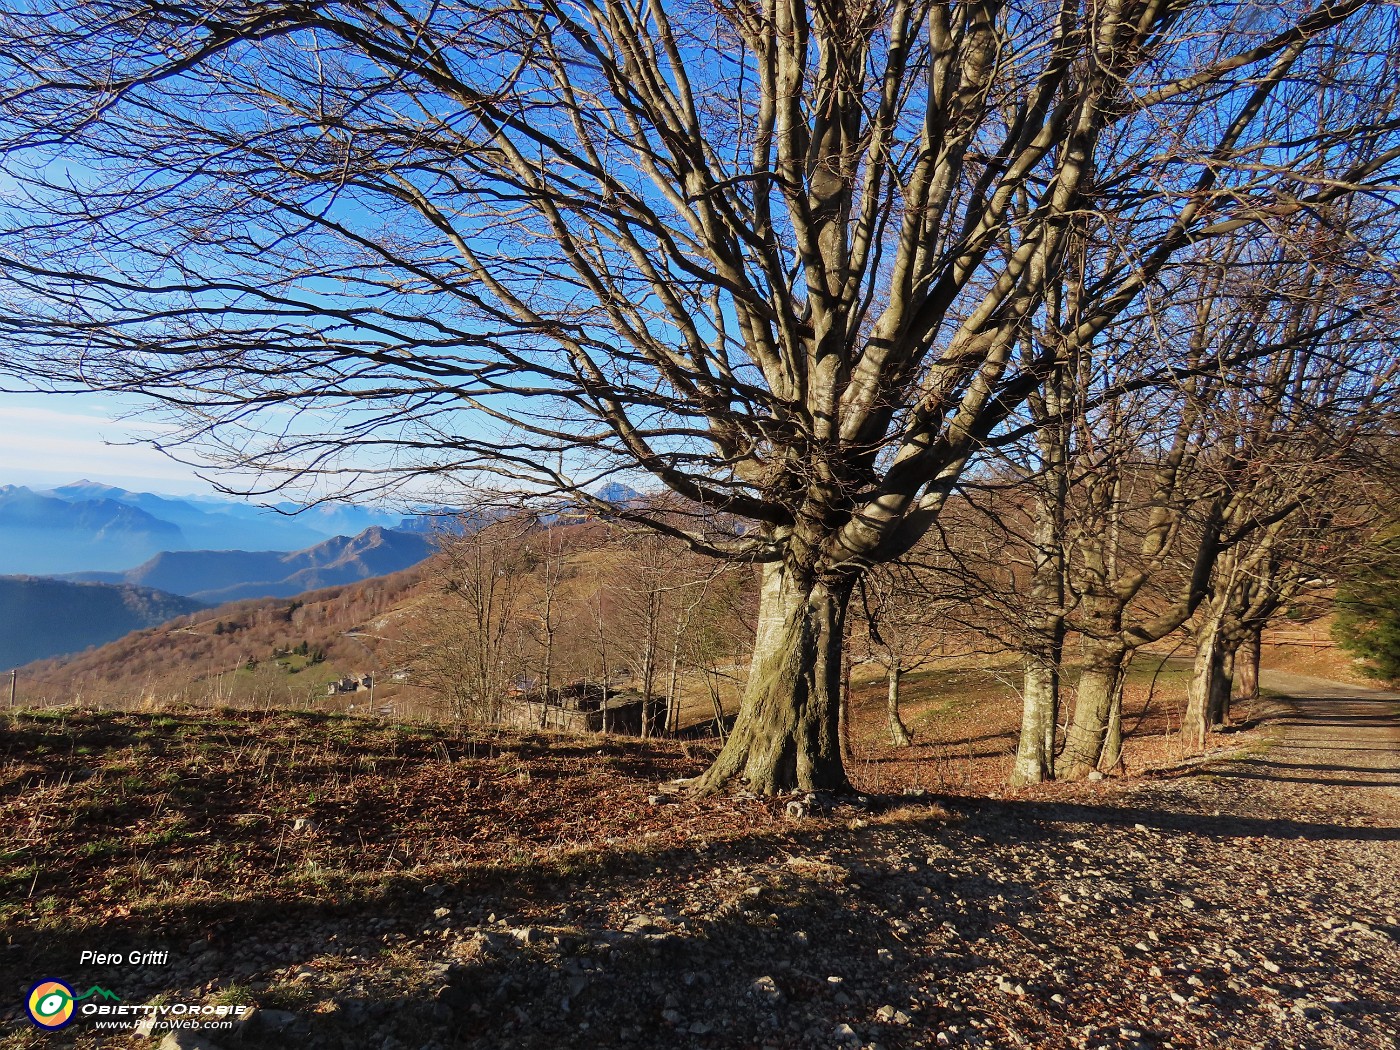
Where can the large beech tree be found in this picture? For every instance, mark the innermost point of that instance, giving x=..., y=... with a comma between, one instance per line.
x=775, y=255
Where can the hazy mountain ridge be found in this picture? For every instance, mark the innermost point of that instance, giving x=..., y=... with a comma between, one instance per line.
x=42, y=534
x=46, y=617
x=221, y=524
x=213, y=577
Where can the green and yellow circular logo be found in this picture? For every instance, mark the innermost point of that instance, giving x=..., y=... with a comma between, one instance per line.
x=50, y=1004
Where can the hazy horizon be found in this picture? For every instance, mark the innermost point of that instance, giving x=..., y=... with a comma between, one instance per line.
x=48, y=440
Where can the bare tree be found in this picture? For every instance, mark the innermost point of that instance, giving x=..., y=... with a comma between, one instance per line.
x=1173, y=521
x=899, y=614
x=469, y=643
x=777, y=257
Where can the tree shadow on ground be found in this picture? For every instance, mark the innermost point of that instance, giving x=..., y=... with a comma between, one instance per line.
x=670, y=986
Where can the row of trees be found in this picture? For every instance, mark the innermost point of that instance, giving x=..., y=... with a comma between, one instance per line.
x=816, y=268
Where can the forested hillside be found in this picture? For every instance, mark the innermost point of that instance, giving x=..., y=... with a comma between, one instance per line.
x=45, y=617
x=273, y=651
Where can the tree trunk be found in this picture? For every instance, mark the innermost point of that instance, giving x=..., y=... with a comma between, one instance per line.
x=787, y=734
x=1040, y=711
x=1099, y=684
x=848, y=753
x=1204, y=671
x=1247, y=665
x=1112, y=756
x=1221, y=685
x=899, y=732
x=672, y=707
x=1035, y=752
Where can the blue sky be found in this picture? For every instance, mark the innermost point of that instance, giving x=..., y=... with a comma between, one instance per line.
x=50, y=439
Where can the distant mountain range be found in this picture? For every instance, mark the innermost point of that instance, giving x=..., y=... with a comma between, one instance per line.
x=214, y=577
x=44, y=534
x=86, y=535
x=90, y=527
x=43, y=618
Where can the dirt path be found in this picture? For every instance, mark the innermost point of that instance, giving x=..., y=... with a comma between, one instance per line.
x=1338, y=735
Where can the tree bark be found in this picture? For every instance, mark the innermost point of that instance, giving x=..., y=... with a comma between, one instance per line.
x=1040, y=711
x=1195, y=723
x=1035, y=752
x=787, y=734
x=1112, y=756
x=1222, y=684
x=899, y=732
x=1099, y=684
x=1247, y=665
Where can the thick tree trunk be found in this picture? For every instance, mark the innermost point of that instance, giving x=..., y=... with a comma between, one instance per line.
x=1222, y=684
x=1099, y=686
x=787, y=734
x=1040, y=703
x=1247, y=665
x=899, y=732
x=1035, y=752
x=1195, y=723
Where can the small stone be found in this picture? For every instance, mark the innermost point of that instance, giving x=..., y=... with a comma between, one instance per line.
x=529, y=935
x=671, y=1017
x=1188, y=903
x=844, y=1033
x=305, y=824
x=1094, y=774
x=765, y=988
x=801, y=939
x=442, y=913
x=885, y=1013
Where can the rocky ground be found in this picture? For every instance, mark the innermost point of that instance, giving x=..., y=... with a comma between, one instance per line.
x=1248, y=902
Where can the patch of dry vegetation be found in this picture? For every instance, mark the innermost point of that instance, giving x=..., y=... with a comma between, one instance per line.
x=112, y=815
